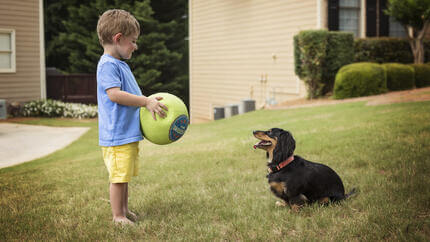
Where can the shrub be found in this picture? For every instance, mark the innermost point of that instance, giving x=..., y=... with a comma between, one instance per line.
x=385, y=50
x=422, y=74
x=318, y=54
x=340, y=52
x=53, y=108
x=360, y=79
x=399, y=76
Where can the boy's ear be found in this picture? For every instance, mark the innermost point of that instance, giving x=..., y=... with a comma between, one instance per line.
x=116, y=38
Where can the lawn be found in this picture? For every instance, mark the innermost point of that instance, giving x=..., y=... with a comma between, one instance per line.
x=211, y=184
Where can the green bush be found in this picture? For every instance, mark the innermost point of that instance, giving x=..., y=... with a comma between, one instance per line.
x=422, y=75
x=385, y=50
x=360, y=79
x=318, y=55
x=340, y=52
x=399, y=76
x=53, y=108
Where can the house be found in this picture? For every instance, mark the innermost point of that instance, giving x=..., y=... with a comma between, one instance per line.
x=22, y=53
x=243, y=49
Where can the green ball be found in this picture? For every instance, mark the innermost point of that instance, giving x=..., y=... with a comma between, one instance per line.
x=170, y=128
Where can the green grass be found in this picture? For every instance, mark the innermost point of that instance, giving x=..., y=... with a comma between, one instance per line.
x=211, y=184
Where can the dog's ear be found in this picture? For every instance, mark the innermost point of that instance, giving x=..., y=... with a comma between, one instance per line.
x=285, y=147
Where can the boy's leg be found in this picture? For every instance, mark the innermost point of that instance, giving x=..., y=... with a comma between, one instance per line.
x=129, y=214
x=117, y=194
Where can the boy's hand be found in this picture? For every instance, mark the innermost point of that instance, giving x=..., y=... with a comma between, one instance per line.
x=155, y=107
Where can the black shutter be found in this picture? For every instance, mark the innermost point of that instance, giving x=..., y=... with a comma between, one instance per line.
x=370, y=18
x=333, y=15
x=384, y=20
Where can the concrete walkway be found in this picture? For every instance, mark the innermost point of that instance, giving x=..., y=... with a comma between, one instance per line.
x=20, y=143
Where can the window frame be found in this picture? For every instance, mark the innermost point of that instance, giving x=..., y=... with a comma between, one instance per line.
x=12, y=52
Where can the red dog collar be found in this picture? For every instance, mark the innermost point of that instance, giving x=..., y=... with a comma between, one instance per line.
x=283, y=164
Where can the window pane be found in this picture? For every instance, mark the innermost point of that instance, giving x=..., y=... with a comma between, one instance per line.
x=396, y=29
x=5, y=61
x=349, y=3
x=5, y=41
x=348, y=20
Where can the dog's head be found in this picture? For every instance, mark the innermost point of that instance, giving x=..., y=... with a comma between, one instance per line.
x=278, y=143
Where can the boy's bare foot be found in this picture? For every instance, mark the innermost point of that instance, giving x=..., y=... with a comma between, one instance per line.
x=123, y=221
x=132, y=216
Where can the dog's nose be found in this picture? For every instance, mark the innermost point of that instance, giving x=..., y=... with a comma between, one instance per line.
x=254, y=132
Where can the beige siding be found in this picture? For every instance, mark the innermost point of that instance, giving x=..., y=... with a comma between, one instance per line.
x=236, y=43
x=25, y=83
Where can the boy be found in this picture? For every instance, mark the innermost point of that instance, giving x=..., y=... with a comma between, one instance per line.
x=119, y=99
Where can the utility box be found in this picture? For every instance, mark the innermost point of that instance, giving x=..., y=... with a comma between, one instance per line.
x=248, y=105
x=219, y=113
x=3, y=109
x=231, y=110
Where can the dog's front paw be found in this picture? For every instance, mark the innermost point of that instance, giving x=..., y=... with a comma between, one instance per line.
x=281, y=203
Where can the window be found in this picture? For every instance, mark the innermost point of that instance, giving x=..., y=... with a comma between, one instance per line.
x=349, y=16
x=379, y=24
x=7, y=50
x=344, y=15
x=396, y=29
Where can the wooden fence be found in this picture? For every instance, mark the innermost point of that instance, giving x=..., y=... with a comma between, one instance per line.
x=74, y=88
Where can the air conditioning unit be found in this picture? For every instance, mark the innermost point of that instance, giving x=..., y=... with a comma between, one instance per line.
x=3, y=110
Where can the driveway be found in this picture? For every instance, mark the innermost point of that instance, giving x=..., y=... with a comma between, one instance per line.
x=20, y=142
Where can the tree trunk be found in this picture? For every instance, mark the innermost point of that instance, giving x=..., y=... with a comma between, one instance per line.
x=417, y=47
x=416, y=38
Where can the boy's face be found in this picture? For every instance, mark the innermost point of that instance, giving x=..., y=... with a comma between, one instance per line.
x=126, y=45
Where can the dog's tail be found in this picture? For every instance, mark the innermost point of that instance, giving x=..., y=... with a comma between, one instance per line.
x=352, y=193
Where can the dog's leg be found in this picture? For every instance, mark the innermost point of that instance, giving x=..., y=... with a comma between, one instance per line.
x=297, y=202
x=324, y=200
x=281, y=203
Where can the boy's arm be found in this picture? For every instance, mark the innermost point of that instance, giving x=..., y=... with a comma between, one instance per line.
x=124, y=98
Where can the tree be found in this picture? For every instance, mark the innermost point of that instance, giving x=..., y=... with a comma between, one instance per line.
x=414, y=15
x=74, y=47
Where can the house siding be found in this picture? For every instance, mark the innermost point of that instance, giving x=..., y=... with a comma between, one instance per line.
x=236, y=44
x=25, y=83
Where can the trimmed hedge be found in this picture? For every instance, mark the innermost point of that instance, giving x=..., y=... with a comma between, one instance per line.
x=340, y=52
x=360, y=79
x=386, y=50
x=399, y=76
x=318, y=55
x=422, y=75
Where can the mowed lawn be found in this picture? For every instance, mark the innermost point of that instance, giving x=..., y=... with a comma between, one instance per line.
x=211, y=184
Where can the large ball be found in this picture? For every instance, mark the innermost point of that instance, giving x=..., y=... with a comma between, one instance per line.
x=170, y=128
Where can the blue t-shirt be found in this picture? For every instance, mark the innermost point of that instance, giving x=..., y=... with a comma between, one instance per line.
x=118, y=124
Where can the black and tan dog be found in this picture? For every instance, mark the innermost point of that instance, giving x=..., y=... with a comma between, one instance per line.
x=293, y=179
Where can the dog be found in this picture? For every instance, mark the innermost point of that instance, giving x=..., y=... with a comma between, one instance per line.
x=293, y=179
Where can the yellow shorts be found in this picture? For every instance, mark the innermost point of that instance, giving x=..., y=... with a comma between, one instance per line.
x=121, y=162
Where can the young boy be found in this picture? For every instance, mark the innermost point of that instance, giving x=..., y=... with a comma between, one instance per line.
x=119, y=100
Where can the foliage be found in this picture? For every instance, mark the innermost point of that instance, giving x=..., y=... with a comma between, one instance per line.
x=399, y=76
x=312, y=45
x=340, y=52
x=384, y=50
x=73, y=45
x=360, y=79
x=414, y=15
x=211, y=186
x=422, y=75
x=318, y=54
x=53, y=108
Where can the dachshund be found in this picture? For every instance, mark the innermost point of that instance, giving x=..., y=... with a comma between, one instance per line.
x=294, y=179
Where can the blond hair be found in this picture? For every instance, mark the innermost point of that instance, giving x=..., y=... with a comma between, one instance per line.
x=115, y=21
